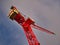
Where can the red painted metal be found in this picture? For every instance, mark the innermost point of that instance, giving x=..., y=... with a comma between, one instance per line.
x=42, y=29
x=26, y=24
x=32, y=40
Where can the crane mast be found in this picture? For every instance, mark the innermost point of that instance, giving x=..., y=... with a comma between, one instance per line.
x=26, y=24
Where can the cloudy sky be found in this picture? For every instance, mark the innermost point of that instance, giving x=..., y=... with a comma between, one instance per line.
x=46, y=13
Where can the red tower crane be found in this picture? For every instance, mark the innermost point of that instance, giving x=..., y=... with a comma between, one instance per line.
x=14, y=14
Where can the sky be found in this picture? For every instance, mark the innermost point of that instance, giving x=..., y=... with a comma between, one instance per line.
x=46, y=13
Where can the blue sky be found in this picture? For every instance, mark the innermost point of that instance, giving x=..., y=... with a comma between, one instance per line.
x=46, y=13
x=10, y=34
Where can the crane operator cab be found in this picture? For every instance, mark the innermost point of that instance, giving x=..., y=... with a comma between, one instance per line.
x=13, y=12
